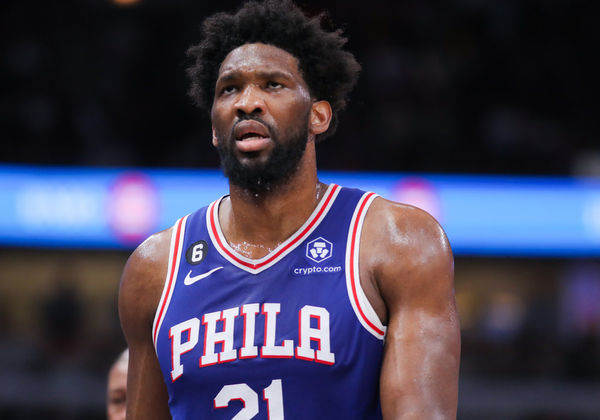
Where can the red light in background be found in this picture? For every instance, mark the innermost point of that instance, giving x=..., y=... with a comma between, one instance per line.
x=126, y=3
x=133, y=208
x=420, y=193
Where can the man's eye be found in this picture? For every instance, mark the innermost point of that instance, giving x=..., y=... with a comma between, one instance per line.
x=118, y=399
x=228, y=89
x=274, y=85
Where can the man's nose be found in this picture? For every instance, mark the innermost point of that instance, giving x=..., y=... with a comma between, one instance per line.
x=250, y=101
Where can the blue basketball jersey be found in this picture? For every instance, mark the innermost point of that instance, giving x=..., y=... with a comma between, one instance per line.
x=290, y=335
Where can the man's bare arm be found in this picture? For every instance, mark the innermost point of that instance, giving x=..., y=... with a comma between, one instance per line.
x=141, y=286
x=414, y=275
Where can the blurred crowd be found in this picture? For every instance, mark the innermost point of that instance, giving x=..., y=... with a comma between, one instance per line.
x=465, y=86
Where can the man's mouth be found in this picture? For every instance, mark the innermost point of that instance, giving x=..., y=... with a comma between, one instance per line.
x=250, y=129
x=251, y=136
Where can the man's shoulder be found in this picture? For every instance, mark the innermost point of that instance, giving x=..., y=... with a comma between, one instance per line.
x=146, y=268
x=403, y=218
x=406, y=253
x=402, y=229
x=153, y=251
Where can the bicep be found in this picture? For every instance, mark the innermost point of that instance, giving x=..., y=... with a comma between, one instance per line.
x=419, y=374
x=146, y=391
x=147, y=396
x=419, y=377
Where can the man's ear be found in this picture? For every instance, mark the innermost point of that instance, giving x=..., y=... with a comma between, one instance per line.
x=215, y=140
x=320, y=117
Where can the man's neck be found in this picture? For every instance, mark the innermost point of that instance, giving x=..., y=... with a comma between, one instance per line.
x=256, y=223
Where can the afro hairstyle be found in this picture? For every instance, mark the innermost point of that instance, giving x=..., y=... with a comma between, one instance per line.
x=329, y=71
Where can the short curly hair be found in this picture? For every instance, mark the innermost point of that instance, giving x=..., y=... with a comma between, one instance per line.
x=329, y=71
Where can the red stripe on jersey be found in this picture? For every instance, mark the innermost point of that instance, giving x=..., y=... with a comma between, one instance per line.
x=276, y=255
x=352, y=252
x=174, y=257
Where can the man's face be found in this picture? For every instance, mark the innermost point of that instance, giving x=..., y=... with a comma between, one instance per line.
x=260, y=116
x=116, y=398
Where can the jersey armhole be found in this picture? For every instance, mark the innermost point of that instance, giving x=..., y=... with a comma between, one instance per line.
x=360, y=304
x=170, y=278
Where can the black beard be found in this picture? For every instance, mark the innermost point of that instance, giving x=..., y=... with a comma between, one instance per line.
x=275, y=171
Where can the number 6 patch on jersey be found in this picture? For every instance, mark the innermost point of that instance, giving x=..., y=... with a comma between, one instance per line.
x=196, y=252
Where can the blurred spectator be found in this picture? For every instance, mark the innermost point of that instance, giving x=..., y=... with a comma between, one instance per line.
x=116, y=392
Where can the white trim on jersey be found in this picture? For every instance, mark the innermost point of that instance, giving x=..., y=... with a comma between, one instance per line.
x=256, y=266
x=361, y=305
x=175, y=251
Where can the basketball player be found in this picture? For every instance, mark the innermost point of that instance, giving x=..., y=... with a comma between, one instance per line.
x=287, y=298
x=116, y=392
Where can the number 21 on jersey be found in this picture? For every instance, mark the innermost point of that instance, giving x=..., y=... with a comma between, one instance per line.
x=272, y=394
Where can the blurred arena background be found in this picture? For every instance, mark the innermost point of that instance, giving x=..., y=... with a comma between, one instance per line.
x=483, y=112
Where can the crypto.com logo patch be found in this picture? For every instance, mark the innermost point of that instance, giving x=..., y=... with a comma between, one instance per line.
x=319, y=250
